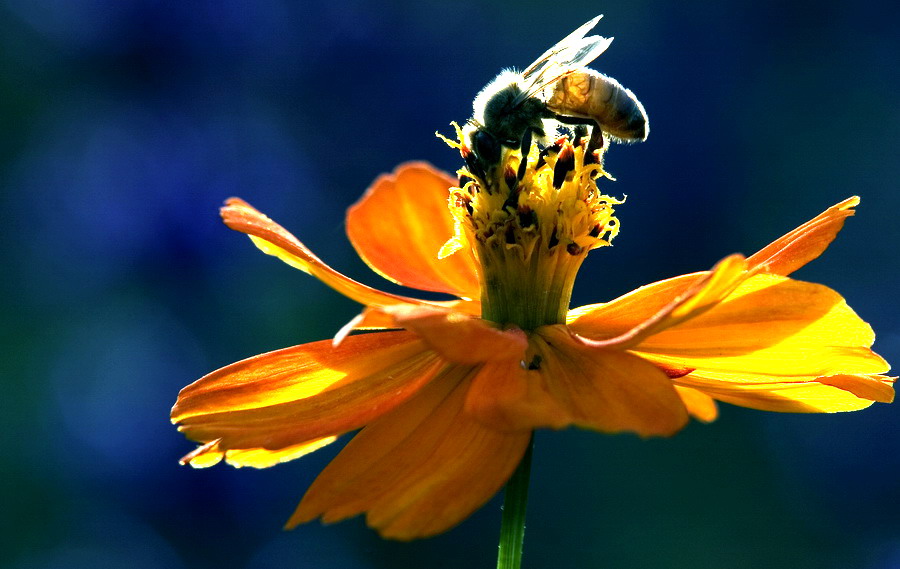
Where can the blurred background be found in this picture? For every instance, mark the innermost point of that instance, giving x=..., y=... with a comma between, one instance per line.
x=127, y=123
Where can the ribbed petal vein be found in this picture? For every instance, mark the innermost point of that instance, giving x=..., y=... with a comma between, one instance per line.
x=568, y=383
x=771, y=326
x=292, y=396
x=418, y=470
x=400, y=225
x=275, y=240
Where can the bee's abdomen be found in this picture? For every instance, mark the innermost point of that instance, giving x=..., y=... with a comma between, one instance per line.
x=589, y=94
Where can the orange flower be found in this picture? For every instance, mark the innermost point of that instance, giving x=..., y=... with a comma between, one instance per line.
x=447, y=398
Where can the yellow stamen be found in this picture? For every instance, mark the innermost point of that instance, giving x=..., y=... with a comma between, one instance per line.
x=531, y=226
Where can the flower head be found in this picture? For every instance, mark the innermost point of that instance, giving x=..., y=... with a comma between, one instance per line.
x=447, y=393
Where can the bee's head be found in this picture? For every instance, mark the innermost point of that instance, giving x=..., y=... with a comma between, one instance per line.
x=496, y=99
x=486, y=147
x=503, y=109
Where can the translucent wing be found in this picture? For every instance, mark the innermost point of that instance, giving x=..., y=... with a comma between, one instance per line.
x=569, y=55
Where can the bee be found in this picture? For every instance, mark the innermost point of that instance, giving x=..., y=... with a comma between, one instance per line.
x=556, y=88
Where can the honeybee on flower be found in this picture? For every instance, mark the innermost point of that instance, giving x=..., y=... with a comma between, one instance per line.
x=515, y=108
x=447, y=394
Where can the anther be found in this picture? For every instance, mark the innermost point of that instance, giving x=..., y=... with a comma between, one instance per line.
x=574, y=249
x=511, y=178
x=554, y=240
x=512, y=200
x=472, y=164
x=512, y=182
x=527, y=216
x=565, y=163
x=554, y=148
x=510, y=235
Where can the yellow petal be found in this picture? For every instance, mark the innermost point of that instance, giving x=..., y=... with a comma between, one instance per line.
x=782, y=257
x=699, y=405
x=793, y=250
x=274, y=240
x=459, y=337
x=400, y=225
x=569, y=383
x=815, y=395
x=693, y=295
x=376, y=319
x=770, y=328
x=419, y=470
x=211, y=453
x=873, y=387
x=292, y=396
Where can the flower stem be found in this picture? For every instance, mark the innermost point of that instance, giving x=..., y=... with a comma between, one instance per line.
x=512, y=526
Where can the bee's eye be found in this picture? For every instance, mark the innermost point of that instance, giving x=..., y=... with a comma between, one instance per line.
x=486, y=147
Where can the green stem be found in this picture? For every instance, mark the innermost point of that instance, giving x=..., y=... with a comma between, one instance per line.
x=512, y=526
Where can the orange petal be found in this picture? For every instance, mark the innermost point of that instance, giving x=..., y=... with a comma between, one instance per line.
x=568, y=383
x=508, y=396
x=211, y=453
x=872, y=387
x=292, y=396
x=783, y=256
x=459, y=337
x=275, y=240
x=771, y=328
x=419, y=470
x=699, y=405
x=693, y=296
x=400, y=225
x=375, y=319
x=828, y=394
x=793, y=250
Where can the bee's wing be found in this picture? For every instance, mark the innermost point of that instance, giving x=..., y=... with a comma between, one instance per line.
x=572, y=53
x=573, y=38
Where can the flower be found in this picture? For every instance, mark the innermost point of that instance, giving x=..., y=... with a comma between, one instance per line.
x=447, y=393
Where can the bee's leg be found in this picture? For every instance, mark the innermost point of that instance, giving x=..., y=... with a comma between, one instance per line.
x=579, y=132
x=596, y=142
x=579, y=121
x=525, y=148
x=526, y=141
x=575, y=120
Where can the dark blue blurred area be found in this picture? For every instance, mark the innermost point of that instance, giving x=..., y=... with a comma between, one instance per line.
x=126, y=124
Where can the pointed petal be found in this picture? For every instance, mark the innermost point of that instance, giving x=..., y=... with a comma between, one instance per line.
x=419, y=470
x=376, y=319
x=694, y=297
x=793, y=250
x=275, y=240
x=782, y=257
x=770, y=327
x=292, y=396
x=828, y=394
x=211, y=453
x=572, y=384
x=873, y=387
x=459, y=337
x=699, y=405
x=400, y=225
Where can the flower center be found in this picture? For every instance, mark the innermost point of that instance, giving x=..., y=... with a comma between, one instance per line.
x=531, y=222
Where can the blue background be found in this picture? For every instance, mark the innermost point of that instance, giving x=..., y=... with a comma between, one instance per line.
x=126, y=124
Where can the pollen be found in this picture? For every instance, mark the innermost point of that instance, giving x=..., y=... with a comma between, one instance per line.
x=531, y=221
